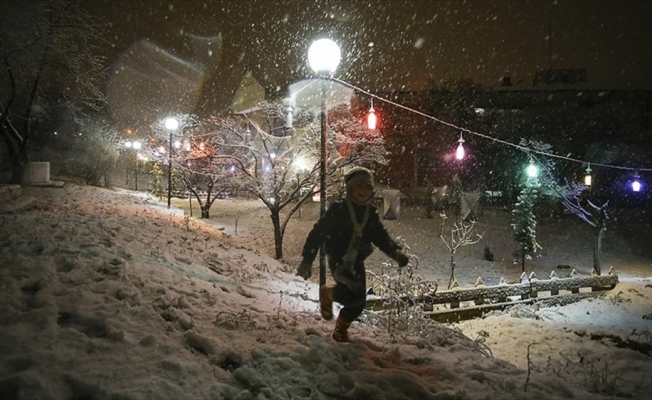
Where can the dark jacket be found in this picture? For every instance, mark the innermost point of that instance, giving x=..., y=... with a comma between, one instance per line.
x=335, y=229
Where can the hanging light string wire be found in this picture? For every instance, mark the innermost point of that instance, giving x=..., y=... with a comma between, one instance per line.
x=517, y=146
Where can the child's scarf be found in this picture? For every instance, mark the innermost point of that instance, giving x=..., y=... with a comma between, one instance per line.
x=351, y=254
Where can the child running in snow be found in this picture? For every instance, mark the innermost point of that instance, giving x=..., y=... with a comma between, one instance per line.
x=347, y=230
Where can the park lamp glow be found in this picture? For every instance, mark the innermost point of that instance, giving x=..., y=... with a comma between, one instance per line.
x=459, y=153
x=587, y=177
x=171, y=123
x=636, y=183
x=136, y=144
x=301, y=164
x=324, y=56
x=532, y=170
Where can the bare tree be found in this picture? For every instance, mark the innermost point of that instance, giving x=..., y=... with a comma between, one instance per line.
x=280, y=166
x=571, y=196
x=95, y=151
x=198, y=157
x=48, y=65
x=259, y=154
x=461, y=235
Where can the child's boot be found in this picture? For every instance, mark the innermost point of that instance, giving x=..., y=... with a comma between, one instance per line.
x=326, y=293
x=340, y=333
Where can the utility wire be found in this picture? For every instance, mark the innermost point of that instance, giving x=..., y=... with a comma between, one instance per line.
x=517, y=146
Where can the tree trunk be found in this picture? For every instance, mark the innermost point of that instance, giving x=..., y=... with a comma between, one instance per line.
x=522, y=258
x=19, y=166
x=205, y=211
x=452, y=278
x=278, y=236
x=597, y=247
x=107, y=180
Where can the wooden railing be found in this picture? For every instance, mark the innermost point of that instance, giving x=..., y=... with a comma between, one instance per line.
x=466, y=303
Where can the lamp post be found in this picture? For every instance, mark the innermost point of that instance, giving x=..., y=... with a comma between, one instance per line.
x=324, y=57
x=127, y=145
x=136, y=146
x=171, y=124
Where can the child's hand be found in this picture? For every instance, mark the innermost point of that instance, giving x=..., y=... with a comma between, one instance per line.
x=401, y=258
x=304, y=270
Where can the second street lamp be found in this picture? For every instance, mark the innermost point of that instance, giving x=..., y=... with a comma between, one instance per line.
x=324, y=57
x=136, y=146
x=171, y=124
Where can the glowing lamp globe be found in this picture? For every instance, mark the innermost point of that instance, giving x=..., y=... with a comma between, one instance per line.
x=587, y=178
x=459, y=153
x=636, y=184
x=371, y=119
x=324, y=56
x=532, y=171
x=137, y=145
x=301, y=164
x=171, y=123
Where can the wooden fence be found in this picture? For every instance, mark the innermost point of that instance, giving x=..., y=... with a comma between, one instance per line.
x=467, y=303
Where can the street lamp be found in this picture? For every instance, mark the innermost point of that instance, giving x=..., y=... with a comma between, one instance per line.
x=127, y=145
x=324, y=57
x=171, y=124
x=136, y=146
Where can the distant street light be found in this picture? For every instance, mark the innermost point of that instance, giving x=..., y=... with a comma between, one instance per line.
x=324, y=57
x=136, y=146
x=171, y=124
x=128, y=144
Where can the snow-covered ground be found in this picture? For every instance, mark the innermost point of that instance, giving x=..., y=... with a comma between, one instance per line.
x=108, y=294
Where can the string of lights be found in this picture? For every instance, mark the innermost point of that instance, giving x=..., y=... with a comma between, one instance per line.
x=488, y=137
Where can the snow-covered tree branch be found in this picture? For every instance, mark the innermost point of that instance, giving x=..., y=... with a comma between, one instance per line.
x=48, y=66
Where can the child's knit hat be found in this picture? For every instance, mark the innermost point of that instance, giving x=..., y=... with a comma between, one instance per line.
x=358, y=177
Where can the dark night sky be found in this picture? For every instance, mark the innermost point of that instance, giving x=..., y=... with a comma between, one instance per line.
x=395, y=44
